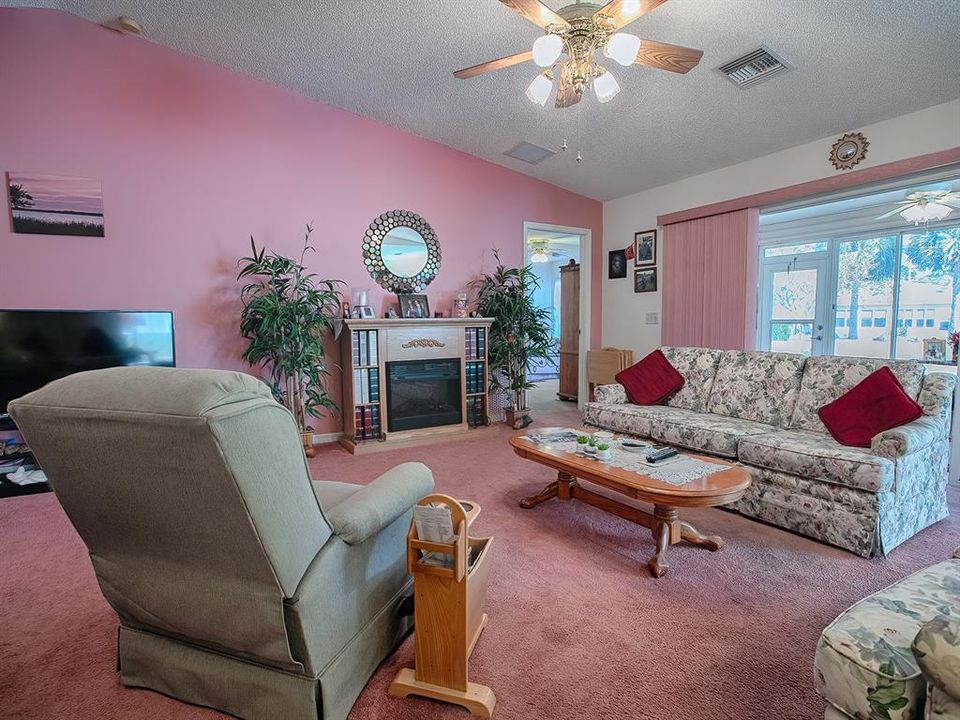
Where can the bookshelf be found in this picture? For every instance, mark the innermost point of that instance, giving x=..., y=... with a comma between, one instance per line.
x=369, y=346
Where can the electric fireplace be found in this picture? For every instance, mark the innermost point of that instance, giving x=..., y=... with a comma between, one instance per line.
x=423, y=394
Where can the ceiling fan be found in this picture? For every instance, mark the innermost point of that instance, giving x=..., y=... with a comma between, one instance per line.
x=923, y=206
x=541, y=252
x=581, y=31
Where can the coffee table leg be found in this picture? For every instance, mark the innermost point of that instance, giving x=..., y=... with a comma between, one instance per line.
x=562, y=487
x=693, y=536
x=664, y=526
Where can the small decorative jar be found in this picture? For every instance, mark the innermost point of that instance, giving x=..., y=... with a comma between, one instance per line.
x=460, y=306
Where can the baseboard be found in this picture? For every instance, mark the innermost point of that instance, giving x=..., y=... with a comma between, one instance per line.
x=320, y=439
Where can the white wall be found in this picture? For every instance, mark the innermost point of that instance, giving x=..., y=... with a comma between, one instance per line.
x=930, y=130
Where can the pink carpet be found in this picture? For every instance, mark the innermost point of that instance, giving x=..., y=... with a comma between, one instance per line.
x=578, y=629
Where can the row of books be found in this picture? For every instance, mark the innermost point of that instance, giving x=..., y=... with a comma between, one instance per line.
x=366, y=385
x=475, y=379
x=475, y=343
x=476, y=411
x=365, y=347
x=367, y=422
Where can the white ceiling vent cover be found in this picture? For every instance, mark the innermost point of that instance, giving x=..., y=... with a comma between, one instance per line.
x=753, y=67
x=530, y=153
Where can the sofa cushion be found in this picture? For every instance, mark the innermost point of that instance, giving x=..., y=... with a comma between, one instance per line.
x=874, y=404
x=627, y=418
x=761, y=386
x=863, y=663
x=650, y=380
x=827, y=377
x=698, y=366
x=715, y=434
x=817, y=456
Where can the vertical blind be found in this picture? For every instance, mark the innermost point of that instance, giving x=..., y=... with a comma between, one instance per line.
x=710, y=281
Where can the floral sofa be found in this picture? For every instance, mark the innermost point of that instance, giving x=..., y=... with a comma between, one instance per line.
x=760, y=408
x=896, y=654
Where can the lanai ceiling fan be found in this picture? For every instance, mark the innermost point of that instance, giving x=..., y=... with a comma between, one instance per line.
x=581, y=32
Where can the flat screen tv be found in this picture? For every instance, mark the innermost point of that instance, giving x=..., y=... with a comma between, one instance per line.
x=38, y=346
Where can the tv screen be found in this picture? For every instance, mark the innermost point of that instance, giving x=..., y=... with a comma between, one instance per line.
x=38, y=346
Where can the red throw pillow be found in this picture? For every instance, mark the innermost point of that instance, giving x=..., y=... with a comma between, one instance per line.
x=875, y=404
x=650, y=380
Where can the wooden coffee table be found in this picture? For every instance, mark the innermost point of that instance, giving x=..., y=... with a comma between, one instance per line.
x=664, y=522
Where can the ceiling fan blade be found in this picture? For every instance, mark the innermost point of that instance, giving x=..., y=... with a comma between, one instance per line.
x=664, y=56
x=536, y=12
x=492, y=65
x=624, y=12
x=890, y=214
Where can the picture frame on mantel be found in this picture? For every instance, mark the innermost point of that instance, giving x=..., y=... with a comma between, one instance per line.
x=617, y=264
x=645, y=248
x=413, y=306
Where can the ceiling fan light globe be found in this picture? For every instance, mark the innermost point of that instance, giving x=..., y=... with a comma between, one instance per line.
x=606, y=87
x=547, y=49
x=622, y=48
x=539, y=90
x=539, y=256
x=914, y=214
x=936, y=211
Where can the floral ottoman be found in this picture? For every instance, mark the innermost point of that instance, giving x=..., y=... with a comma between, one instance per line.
x=896, y=654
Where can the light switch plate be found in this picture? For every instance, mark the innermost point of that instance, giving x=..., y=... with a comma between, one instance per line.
x=653, y=318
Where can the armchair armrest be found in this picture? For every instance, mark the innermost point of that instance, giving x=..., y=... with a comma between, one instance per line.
x=375, y=506
x=610, y=394
x=899, y=441
x=937, y=649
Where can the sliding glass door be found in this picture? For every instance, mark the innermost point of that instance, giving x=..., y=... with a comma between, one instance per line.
x=884, y=296
x=793, y=290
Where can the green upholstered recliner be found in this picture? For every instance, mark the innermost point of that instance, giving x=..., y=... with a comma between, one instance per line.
x=239, y=584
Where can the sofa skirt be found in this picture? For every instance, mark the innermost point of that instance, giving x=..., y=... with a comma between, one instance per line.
x=866, y=523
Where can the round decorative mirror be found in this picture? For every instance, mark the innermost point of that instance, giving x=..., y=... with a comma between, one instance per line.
x=848, y=150
x=401, y=251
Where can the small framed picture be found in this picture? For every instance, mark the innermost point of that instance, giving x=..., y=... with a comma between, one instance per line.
x=617, y=264
x=414, y=306
x=367, y=312
x=645, y=248
x=934, y=350
x=645, y=280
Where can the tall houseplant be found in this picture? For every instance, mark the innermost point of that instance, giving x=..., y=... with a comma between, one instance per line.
x=287, y=314
x=521, y=331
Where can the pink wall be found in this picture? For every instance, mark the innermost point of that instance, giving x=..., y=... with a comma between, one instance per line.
x=195, y=158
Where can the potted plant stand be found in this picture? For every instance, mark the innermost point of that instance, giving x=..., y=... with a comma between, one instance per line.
x=518, y=419
x=448, y=614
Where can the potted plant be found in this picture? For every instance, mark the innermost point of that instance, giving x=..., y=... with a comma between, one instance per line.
x=591, y=447
x=603, y=451
x=955, y=344
x=520, y=333
x=287, y=314
x=582, y=443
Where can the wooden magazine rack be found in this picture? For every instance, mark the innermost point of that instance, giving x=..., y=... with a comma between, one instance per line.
x=448, y=610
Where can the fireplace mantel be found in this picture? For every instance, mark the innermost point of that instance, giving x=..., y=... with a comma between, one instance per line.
x=368, y=349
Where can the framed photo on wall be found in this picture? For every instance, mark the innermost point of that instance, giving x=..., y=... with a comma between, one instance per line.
x=645, y=280
x=645, y=248
x=934, y=350
x=413, y=306
x=617, y=264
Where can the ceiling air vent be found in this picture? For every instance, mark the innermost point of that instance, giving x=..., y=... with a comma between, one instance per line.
x=530, y=153
x=753, y=67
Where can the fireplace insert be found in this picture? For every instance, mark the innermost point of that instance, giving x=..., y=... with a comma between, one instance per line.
x=423, y=393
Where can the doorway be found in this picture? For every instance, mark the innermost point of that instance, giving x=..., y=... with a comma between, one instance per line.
x=794, y=305
x=553, y=251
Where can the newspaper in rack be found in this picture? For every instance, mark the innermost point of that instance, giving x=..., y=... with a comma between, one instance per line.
x=434, y=524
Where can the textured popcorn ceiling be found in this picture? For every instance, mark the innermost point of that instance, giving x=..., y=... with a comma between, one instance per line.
x=856, y=62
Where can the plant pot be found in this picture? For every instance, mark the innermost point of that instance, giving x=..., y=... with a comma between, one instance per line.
x=518, y=419
x=308, y=449
x=581, y=447
x=604, y=454
x=590, y=449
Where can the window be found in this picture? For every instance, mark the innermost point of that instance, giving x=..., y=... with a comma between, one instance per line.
x=882, y=295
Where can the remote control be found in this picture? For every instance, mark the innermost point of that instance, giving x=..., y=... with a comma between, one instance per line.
x=661, y=454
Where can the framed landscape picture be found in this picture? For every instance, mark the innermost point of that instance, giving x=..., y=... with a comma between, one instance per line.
x=645, y=248
x=617, y=264
x=55, y=204
x=645, y=280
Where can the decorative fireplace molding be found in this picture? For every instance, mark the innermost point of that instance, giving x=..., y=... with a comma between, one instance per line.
x=368, y=346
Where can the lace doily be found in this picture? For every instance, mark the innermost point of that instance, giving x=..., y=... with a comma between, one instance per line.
x=678, y=470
